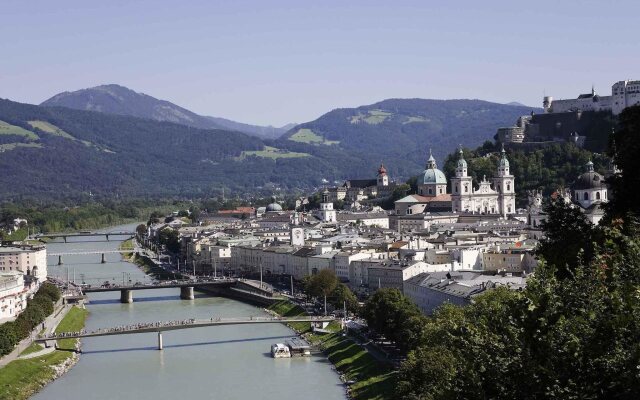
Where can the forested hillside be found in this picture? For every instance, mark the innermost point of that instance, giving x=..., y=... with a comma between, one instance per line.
x=400, y=132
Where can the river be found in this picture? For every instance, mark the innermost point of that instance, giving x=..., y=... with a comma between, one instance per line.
x=228, y=362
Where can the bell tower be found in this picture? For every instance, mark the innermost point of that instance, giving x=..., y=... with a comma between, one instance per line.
x=461, y=188
x=327, y=213
x=504, y=184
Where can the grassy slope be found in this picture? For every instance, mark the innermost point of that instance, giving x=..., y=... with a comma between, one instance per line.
x=374, y=379
x=8, y=129
x=272, y=153
x=305, y=135
x=20, y=379
x=51, y=129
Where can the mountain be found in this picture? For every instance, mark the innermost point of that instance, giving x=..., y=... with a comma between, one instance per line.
x=54, y=152
x=116, y=99
x=58, y=152
x=400, y=132
x=516, y=103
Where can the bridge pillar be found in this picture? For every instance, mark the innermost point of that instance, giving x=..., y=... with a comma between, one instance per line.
x=126, y=296
x=65, y=239
x=102, y=260
x=159, y=340
x=59, y=260
x=107, y=237
x=186, y=293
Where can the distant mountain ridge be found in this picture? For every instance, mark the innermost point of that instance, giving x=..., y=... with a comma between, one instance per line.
x=116, y=99
x=401, y=132
x=58, y=151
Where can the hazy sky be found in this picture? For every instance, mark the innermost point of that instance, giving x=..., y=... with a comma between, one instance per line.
x=274, y=62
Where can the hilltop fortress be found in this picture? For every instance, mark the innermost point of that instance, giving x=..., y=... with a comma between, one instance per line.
x=570, y=120
x=623, y=94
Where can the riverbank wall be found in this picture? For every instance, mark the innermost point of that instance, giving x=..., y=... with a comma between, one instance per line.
x=241, y=292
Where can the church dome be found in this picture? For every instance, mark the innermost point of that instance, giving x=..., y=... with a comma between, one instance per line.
x=274, y=206
x=433, y=175
x=589, y=180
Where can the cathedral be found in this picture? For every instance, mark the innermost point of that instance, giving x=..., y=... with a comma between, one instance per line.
x=495, y=198
x=499, y=198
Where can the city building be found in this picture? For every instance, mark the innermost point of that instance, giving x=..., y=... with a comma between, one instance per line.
x=431, y=290
x=13, y=295
x=27, y=259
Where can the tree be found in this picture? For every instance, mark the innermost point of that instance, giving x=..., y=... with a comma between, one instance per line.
x=323, y=284
x=141, y=230
x=568, y=237
x=343, y=296
x=395, y=316
x=170, y=239
x=625, y=148
x=572, y=337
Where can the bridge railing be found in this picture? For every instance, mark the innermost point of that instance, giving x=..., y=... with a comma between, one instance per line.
x=186, y=323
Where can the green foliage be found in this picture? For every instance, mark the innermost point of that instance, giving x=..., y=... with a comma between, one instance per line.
x=169, y=238
x=20, y=379
x=322, y=284
x=569, y=237
x=373, y=379
x=626, y=150
x=59, y=217
x=571, y=337
x=342, y=296
x=36, y=311
x=393, y=315
x=141, y=229
x=18, y=236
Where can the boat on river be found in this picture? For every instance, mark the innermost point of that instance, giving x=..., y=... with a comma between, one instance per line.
x=280, y=350
x=298, y=347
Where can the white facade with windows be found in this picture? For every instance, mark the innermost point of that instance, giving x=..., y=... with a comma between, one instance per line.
x=29, y=260
x=487, y=199
x=13, y=295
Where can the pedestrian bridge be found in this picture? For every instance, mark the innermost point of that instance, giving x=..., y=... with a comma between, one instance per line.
x=82, y=234
x=159, y=327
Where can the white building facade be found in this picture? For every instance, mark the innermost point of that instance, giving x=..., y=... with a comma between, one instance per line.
x=499, y=199
x=623, y=94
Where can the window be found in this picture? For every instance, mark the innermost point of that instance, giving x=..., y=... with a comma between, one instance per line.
x=430, y=191
x=466, y=188
x=586, y=195
x=508, y=186
x=597, y=195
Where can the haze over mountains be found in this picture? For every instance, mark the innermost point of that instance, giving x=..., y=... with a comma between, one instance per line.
x=116, y=99
x=63, y=151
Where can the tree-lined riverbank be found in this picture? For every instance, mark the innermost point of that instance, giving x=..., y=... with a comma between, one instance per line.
x=371, y=378
x=20, y=379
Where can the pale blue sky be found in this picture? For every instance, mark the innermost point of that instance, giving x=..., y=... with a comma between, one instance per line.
x=274, y=62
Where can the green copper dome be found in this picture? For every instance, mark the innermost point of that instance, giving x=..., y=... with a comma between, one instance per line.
x=433, y=175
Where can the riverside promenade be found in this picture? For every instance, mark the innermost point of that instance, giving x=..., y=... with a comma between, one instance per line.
x=47, y=327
